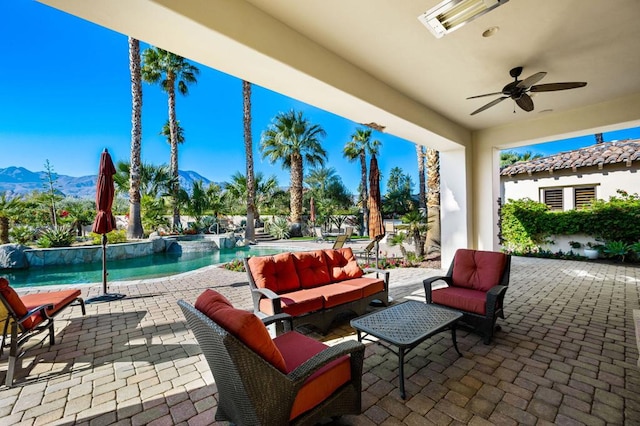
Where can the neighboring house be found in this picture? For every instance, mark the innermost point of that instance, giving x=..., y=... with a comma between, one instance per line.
x=572, y=179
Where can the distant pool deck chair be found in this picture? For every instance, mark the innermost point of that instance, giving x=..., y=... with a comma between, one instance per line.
x=339, y=242
x=318, y=234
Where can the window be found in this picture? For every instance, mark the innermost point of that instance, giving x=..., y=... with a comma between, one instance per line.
x=553, y=198
x=584, y=196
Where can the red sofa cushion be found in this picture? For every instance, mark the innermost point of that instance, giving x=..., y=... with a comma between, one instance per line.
x=296, y=303
x=369, y=286
x=242, y=324
x=338, y=293
x=478, y=270
x=342, y=264
x=296, y=349
x=464, y=299
x=311, y=267
x=277, y=273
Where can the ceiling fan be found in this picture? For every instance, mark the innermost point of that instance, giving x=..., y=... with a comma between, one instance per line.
x=518, y=90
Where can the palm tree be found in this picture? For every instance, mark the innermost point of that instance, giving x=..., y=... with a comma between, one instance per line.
x=170, y=71
x=236, y=191
x=294, y=141
x=433, y=200
x=249, y=233
x=134, y=229
x=155, y=181
x=508, y=158
x=422, y=198
x=8, y=208
x=357, y=148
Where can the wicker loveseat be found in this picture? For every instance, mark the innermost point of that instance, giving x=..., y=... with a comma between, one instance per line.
x=314, y=287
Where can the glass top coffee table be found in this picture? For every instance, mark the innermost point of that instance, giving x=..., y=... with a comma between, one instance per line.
x=406, y=325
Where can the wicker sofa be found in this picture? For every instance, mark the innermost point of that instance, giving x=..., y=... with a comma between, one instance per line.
x=314, y=287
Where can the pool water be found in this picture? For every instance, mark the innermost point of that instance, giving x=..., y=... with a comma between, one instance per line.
x=154, y=266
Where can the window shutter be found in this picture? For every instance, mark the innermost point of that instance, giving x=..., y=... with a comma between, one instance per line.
x=584, y=196
x=553, y=198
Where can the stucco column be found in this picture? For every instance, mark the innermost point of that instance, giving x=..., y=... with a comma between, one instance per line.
x=485, y=170
x=454, y=203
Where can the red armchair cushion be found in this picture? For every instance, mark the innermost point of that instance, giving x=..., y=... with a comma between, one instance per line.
x=311, y=267
x=277, y=273
x=296, y=349
x=342, y=264
x=464, y=299
x=478, y=270
x=242, y=324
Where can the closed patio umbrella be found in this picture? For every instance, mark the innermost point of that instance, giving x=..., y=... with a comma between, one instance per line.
x=104, y=222
x=376, y=228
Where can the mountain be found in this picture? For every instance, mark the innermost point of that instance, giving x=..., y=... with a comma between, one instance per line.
x=19, y=181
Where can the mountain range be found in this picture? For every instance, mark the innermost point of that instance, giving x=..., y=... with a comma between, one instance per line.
x=20, y=181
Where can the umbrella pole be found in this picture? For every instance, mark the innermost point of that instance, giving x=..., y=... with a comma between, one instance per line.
x=104, y=263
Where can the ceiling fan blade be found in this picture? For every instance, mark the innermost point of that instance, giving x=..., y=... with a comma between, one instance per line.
x=525, y=102
x=486, y=94
x=489, y=105
x=531, y=80
x=551, y=87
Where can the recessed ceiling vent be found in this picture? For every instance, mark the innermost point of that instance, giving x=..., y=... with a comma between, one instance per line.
x=450, y=15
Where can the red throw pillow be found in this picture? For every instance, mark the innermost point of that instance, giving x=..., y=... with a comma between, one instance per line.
x=277, y=273
x=342, y=264
x=242, y=324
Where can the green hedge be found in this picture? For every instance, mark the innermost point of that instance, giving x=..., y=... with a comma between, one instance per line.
x=527, y=224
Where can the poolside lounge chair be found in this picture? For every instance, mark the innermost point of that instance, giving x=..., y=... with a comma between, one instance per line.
x=292, y=379
x=348, y=232
x=369, y=249
x=339, y=242
x=27, y=316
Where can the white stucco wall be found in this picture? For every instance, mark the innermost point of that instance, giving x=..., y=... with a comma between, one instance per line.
x=606, y=181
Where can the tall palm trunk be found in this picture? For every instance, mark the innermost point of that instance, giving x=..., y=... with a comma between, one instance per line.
x=296, y=194
x=173, y=130
x=4, y=230
x=433, y=200
x=248, y=148
x=364, y=191
x=134, y=229
x=422, y=198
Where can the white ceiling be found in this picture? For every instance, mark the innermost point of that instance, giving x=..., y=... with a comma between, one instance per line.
x=372, y=60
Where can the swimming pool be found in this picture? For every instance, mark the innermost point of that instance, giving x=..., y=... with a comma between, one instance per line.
x=154, y=266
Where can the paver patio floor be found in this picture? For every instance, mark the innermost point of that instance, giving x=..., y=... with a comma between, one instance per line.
x=566, y=355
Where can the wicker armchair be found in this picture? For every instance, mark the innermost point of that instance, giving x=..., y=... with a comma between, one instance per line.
x=476, y=284
x=253, y=389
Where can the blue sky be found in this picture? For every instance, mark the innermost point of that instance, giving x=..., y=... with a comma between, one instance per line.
x=66, y=96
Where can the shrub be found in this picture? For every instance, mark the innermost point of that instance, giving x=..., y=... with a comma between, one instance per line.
x=279, y=228
x=236, y=265
x=616, y=249
x=113, y=237
x=55, y=237
x=22, y=234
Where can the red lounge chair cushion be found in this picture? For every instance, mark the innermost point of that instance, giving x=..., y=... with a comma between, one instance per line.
x=369, y=286
x=342, y=264
x=296, y=303
x=464, y=299
x=22, y=304
x=478, y=270
x=296, y=349
x=277, y=273
x=311, y=267
x=242, y=324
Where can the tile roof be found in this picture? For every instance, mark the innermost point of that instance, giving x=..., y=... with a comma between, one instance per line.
x=626, y=151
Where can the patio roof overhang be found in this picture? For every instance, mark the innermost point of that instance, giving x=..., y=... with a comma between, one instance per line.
x=373, y=61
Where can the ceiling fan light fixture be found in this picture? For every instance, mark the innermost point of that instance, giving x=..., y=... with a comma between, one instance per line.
x=450, y=15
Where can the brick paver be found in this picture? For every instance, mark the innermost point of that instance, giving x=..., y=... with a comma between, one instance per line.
x=566, y=355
